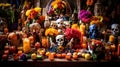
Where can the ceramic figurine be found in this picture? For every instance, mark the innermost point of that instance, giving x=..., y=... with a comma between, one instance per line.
x=93, y=31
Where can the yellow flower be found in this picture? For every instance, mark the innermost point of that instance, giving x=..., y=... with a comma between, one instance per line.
x=75, y=26
x=53, y=3
x=51, y=31
x=37, y=9
x=28, y=12
x=7, y=4
x=55, y=6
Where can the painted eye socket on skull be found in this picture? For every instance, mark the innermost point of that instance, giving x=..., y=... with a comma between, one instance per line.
x=115, y=29
x=59, y=39
x=53, y=25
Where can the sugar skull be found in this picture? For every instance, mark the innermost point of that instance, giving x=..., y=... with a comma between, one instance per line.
x=115, y=29
x=67, y=24
x=60, y=23
x=93, y=31
x=60, y=40
x=53, y=24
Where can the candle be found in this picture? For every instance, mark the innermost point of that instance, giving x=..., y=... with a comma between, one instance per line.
x=118, y=50
x=82, y=29
x=26, y=45
x=111, y=38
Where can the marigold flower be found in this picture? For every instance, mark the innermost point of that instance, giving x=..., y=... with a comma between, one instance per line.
x=37, y=9
x=89, y=2
x=55, y=6
x=75, y=26
x=51, y=32
x=28, y=12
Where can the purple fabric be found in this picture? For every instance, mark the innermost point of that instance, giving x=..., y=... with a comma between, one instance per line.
x=85, y=16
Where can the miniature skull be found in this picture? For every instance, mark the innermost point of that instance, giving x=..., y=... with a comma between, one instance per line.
x=115, y=29
x=60, y=39
x=93, y=31
x=53, y=24
x=35, y=27
x=67, y=24
x=60, y=23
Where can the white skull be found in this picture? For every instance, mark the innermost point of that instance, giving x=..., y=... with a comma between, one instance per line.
x=60, y=23
x=115, y=29
x=53, y=24
x=67, y=24
x=60, y=39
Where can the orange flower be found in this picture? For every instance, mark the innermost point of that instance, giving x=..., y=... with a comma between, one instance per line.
x=42, y=18
x=89, y=2
x=45, y=42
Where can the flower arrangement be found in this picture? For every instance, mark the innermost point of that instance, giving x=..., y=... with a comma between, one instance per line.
x=85, y=16
x=89, y=2
x=72, y=33
x=57, y=7
x=51, y=32
x=33, y=13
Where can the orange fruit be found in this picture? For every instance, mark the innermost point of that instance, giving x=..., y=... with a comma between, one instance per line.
x=63, y=55
x=58, y=55
x=75, y=57
x=68, y=57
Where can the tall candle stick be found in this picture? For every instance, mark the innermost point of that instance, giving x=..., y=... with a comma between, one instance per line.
x=26, y=45
x=118, y=50
x=111, y=38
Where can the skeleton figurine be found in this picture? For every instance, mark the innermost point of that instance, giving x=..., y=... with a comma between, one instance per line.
x=60, y=40
x=115, y=29
x=60, y=25
x=59, y=46
x=93, y=31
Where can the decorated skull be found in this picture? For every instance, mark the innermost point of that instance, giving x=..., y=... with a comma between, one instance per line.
x=60, y=23
x=60, y=39
x=35, y=27
x=53, y=24
x=93, y=31
x=115, y=29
